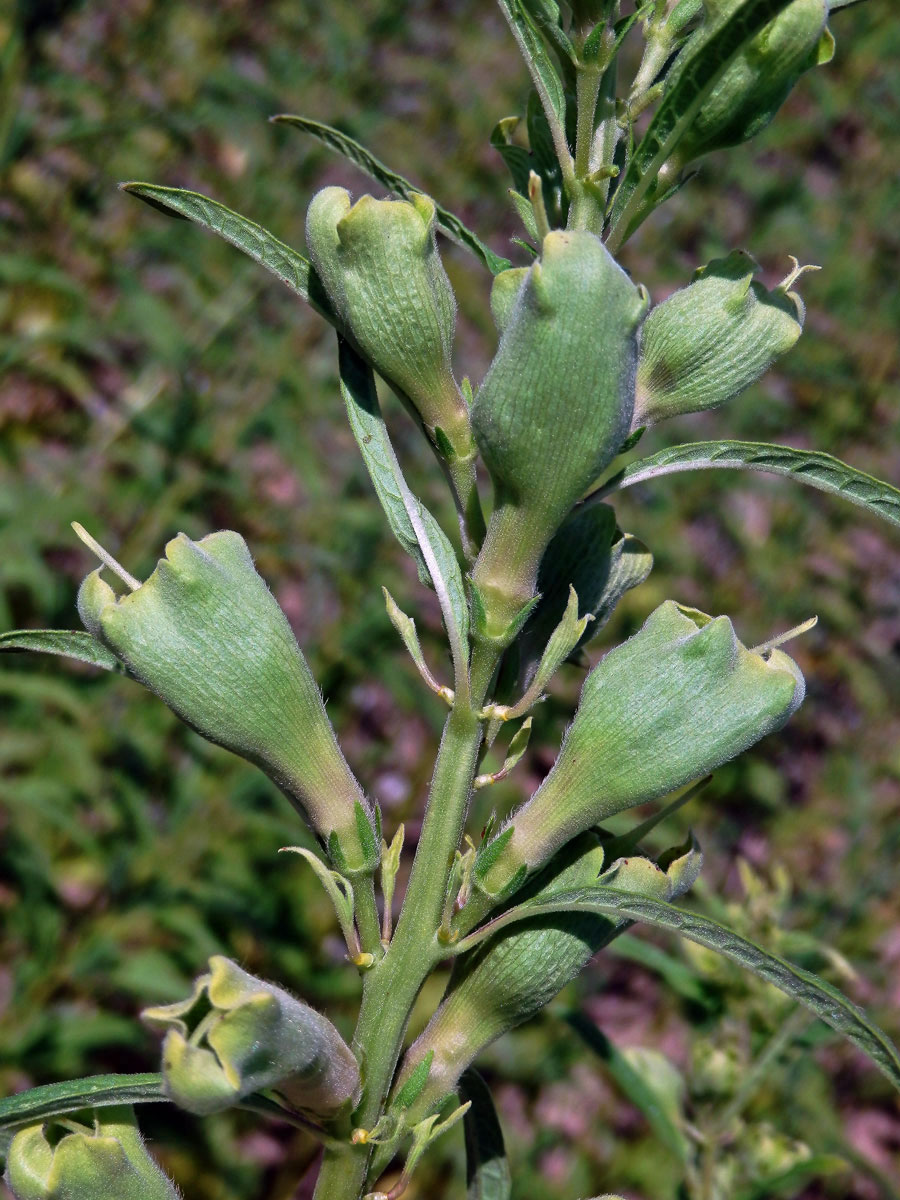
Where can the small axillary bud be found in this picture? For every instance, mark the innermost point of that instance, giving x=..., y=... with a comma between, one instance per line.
x=379, y=264
x=666, y=707
x=554, y=407
x=108, y=1162
x=208, y=637
x=757, y=82
x=237, y=1034
x=714, y=338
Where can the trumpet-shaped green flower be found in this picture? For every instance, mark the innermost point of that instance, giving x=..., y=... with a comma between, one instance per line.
x=379, y=264
x=237, y=1034
x=711, y=340
x=555, y=405
x=510, y=977
x=207, y=636
x=667, y=706
x=108, y=1162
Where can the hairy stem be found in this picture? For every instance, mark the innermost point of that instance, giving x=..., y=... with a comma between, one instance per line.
x=392, y=985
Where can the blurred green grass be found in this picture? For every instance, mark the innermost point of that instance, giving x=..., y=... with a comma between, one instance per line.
x=152, y=380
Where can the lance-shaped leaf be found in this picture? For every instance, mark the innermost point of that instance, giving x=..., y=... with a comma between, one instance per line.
x=560, y=645
x=414, y=527
x=285, y=263
x=542, y=69
x=236, y=1035
x=667, y=706
x=406, y=627
x=68, y=643
x=592, y=555
x=516, y=157
x=207, y=636
x=506, y=981
x=554, y=407
x=811, y=467
x=96, y=1091
x=711, y=340
x=349, y=148
x=106, y=1162
x=635, y=1086
x=700, y=66
x=487, y=1169
x=819, y=996
x=517, y=746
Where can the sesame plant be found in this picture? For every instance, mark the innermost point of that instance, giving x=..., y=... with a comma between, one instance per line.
x=584, y=363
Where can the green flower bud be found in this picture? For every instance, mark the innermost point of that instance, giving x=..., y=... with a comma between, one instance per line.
x=379, y=263
x=758, y=81
x=237, y=1034
x=504, y=293
x=207, y=636
x=554, y=407
x=665, y=707
x=711, y=340
x=506, y=980
x=109, y=1162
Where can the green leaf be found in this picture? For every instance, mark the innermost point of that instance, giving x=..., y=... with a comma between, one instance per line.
x=674, y=971
x=819, y=996
x=487, y=1169
x=517, y=158
x=692, y=78
x=70, y=643
x=633, y=1085
x=96, y=1091
x=346, y=146
x=540, y=65
x=811, y=467
x=406, y=627
x=414, y=527
x=565, y=637
x=789, y=1183
x=256, y=242
x=834, y=5
x=412, y=1089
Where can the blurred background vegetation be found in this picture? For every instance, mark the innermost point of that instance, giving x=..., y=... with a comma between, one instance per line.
x=152, y=380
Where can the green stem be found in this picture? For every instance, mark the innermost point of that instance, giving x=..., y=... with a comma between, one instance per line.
x=392, y=985
x=585, y=211
x=468, y=503
x=587, y=91
x=366, y=911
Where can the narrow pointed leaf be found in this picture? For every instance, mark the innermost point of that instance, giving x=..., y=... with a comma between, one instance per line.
x=811, y=467
x=349, y=148
x=69, y=643
x=567, y=635
x=540, y=65
x=790, y=1182
x=256, y=242
x=819, y=996
x=406, y=627
x=487, y=1169
x=693, y=77
x=414, y=527
x=834, y=5
x=95, y=1091
x=517, y=158
x=633, y=1085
